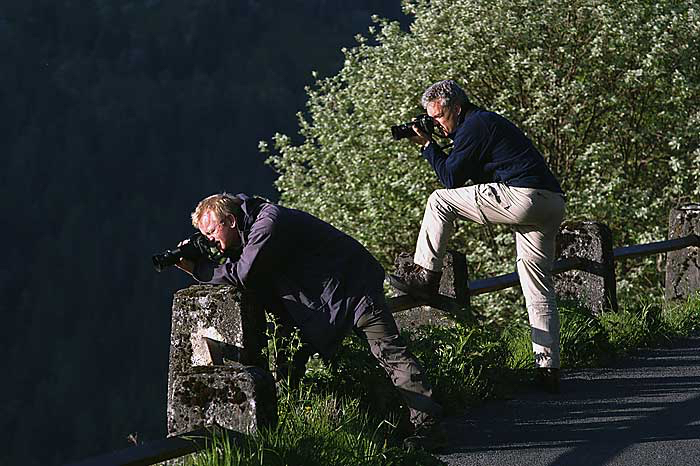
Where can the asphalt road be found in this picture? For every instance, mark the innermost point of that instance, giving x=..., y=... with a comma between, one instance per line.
x=646, y=411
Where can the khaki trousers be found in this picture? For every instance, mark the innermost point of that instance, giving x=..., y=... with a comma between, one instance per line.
x=535, y=215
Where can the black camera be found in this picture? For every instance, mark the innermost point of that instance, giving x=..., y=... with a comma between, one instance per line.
x=197, y=246
x=423, y=122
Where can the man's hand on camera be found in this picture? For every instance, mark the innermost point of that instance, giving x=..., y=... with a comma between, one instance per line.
x=420, y=137
x=186, y=265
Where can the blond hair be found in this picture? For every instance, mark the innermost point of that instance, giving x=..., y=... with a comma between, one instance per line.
x=220, y=205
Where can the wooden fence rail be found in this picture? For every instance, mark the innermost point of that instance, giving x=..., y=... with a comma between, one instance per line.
x=501, y=282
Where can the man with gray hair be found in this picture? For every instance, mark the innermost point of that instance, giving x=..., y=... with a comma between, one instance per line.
x=512, y=186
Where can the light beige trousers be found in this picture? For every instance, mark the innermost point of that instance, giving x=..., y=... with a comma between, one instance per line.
x=535, y=215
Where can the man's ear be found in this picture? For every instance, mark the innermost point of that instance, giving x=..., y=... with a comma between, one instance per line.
x=232, y=220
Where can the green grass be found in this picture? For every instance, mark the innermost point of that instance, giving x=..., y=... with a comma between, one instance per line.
x=584, y=341
x=651, y=323
x=347, y=413
x=588, y=341
x=316, y=429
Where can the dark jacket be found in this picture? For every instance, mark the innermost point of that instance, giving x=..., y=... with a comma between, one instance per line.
x=490, y=149
x=324, y=279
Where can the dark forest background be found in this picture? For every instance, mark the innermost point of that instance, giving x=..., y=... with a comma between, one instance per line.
x=117, y=117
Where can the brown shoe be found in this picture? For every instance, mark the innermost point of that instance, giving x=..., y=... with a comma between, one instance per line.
x=430, y=437
x=548, y=379
x=418, y=282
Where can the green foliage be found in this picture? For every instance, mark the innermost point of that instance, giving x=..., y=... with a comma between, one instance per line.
x=649, y=321
x=316, y=430
x=456, y=360
x=584, y=341
x=634, y=327
x=354, y=372
x=683, y=319
x=588, y=341
x=517, y=338
x=326, y=420
x=609, y=91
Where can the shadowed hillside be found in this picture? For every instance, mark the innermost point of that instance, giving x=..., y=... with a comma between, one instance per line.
x=117, y=118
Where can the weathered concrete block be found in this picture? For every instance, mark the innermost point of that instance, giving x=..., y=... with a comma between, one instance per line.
x=220, y=314
x=594, y=287
x=683, y=266
x=235, y=397
x=454, y=283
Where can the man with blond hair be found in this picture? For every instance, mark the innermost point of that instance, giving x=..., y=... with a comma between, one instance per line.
x=323, y=280
x=513, y=186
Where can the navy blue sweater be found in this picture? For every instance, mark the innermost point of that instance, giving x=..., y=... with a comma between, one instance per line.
x=324, y=279
x=490, y=149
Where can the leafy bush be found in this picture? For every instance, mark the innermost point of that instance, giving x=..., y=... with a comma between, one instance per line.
x=354, y=372
x=588, y=341
x=609, y=91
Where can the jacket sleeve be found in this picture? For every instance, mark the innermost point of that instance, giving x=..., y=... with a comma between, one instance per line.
x=461, y=164
x=257, y=260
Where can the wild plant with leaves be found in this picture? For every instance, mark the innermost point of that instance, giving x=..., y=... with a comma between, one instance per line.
x=609, y=92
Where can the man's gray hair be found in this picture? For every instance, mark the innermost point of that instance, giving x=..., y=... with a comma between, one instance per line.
x=447, y=93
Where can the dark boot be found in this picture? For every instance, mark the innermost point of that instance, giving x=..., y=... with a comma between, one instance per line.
x=417, y=282
x=430, y=437
x=548, y=379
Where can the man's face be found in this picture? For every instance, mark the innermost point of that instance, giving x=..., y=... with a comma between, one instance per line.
x=223, y=232
x=446, y=117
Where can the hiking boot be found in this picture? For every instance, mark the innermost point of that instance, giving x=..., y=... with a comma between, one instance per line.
x=548, y=379
x=418, y=282
x=428, y=437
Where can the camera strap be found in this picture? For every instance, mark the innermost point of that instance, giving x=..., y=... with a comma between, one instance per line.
x=489, y=229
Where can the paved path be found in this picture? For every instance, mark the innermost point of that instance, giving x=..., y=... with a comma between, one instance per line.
x=645, y=412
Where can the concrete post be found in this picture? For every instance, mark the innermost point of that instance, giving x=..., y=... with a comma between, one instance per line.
x=594, y=287
x=683, y=266
x=217, y=334
x=235, y=397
